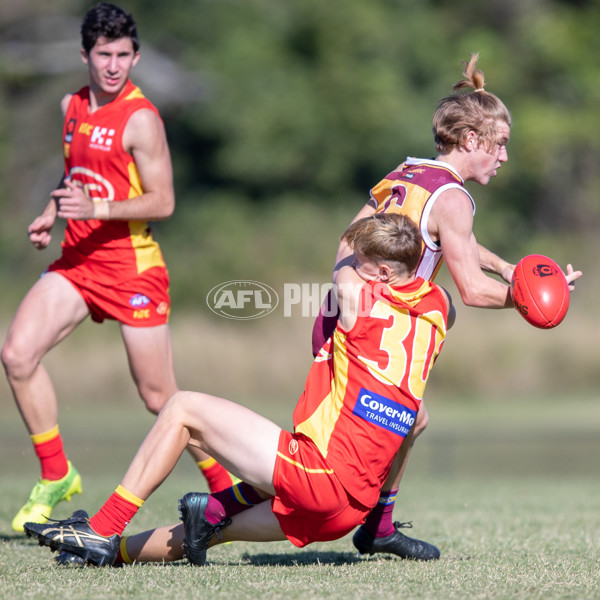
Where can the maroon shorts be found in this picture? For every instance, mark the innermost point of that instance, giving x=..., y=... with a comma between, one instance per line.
x=140, y=302
x=310, y=503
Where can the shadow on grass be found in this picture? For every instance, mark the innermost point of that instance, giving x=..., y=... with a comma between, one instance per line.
x=295, y=559
x=278, y=559
x=20, y=537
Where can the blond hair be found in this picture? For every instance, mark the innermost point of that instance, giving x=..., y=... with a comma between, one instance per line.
x=462, y=112
x=387, y=237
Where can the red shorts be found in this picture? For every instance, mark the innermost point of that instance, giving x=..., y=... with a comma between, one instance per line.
x=140, y=302
x=310, y=504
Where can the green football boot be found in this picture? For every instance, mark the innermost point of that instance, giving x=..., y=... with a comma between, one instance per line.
x=45, y=495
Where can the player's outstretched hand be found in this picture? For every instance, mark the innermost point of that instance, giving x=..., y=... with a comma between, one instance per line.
x=572, y=276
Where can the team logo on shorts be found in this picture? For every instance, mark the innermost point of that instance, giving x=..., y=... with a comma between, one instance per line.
x=293, y=447
x=162, y=308
x=139, y=301
x=385, y=413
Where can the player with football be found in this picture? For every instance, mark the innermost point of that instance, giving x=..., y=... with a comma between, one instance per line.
x=117, y=177
x=360, y=400
x=471, y=130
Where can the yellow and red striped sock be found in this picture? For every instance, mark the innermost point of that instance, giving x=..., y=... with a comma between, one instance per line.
x=217, y=477
x=116, y=512
x=49, y=449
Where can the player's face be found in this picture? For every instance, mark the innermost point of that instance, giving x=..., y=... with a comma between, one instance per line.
x=109, y=64
x=486, y=159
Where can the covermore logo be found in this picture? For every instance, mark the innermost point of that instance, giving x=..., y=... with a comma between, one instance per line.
x=242, y=300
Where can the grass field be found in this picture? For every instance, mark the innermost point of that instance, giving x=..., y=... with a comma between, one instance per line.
x=504, y=539
x=514, y=510
x=505, y=481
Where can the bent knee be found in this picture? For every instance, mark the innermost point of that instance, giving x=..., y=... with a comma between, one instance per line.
x=154, y=400
x=180, y=401
x=18, y=362
x=179, y=406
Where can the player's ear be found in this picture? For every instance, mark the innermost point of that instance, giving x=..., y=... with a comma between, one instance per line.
x=84, y=56
x=385, y=272
x=136, y=57
x=471, y=140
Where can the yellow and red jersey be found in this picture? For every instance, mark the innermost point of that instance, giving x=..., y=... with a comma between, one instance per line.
x=365, y=386
x=412, y=190
x=94, y=156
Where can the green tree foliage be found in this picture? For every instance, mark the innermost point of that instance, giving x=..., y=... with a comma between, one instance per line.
x=313, y=101
x=323, y=98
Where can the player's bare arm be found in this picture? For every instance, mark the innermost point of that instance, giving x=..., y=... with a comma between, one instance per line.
x=64, y=104
x=41, y=226
x=343, y=251
x=146, y=140
x=452, y=220
x=492, y=263
x=348, y=284
x=39, y=231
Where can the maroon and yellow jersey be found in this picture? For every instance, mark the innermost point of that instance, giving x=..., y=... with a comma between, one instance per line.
x=110, y=251
x=411, y=190
x=365, y=386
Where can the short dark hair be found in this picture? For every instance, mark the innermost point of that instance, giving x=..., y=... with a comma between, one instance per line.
x=109, y=21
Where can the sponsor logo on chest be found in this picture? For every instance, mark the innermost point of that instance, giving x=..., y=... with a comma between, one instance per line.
x=101, y=138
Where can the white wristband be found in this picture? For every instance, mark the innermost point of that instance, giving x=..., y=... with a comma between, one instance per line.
x=101, y=211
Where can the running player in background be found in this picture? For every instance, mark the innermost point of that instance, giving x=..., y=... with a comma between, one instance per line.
x=471, y=130
x=118, y=176
x=360, y=400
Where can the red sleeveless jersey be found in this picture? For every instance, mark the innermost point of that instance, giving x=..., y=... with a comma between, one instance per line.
x=411, y=190
x=107, y=251
x=364, y=388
